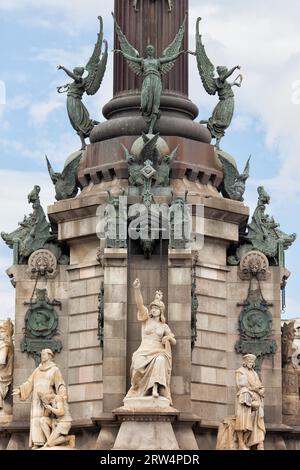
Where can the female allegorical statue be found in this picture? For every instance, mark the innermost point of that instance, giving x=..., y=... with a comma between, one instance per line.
x=77, y=112
x=223, y=112
x=152, y=362
x=152, y=70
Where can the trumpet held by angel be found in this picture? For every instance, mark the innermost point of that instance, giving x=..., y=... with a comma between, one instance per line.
x=151, y=69
x=96, y=66
x=222, y=115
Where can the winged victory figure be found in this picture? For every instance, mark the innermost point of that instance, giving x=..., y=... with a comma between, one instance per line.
x=96, y=66
x=151, y=69
x=223, y=112
x=234, y=184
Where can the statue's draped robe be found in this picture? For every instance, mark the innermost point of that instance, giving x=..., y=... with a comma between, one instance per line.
x=151, y=89
x=223, y=112
x=77, y=112
x=152, y=362
x=45, y=379
x=249, y=406
x=6, y=368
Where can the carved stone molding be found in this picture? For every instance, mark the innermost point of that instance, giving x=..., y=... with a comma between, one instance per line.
x=42, y=263
x=254, y=264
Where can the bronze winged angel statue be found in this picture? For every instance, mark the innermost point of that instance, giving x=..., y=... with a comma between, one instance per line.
x=151, y=69
x=223, y=112
x=96, y=66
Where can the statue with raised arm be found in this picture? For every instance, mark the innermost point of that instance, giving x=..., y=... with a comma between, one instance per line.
x=223, y=112
x=152, y=362
x=6, y=359
x=152, y=70
x=96, y=66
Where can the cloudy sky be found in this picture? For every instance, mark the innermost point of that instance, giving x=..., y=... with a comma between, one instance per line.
x=263, y=37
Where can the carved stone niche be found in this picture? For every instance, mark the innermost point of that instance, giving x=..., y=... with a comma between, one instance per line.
x=42, y=263
x=254, y=264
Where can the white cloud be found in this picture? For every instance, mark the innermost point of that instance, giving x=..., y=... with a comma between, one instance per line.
x=18, y=102
x=57, y=149
x=73, y=15
x=264, y=38
x=241, y=122
x=40, y=111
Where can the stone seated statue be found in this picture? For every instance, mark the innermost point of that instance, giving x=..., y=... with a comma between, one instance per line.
x=152, y=362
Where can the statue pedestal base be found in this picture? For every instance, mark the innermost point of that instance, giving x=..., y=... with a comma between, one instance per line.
x=146, y=428
x=147, y=403
x=57, y=448
x=5, y=419
x=71, y=446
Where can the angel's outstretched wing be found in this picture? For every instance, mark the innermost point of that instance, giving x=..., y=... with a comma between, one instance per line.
x=173, y=154
x=173, y=48
x=52, y=174
x=96, y=67
x=128, y=49
x=246, y=173
x=129, y=158
x=205, y=67
x=231, y=174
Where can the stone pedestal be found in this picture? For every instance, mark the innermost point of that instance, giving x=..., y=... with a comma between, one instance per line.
x=144, y=403
x=146, y=428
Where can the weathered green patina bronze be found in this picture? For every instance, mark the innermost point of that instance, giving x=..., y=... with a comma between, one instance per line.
x=264, y=235
x=151, y=69
x=34, y=233
x=116, y=226
x=180, y=218
x=149, y=167
x=96, y=66
x=255, y=326
x=148, y=170
x=223, y=112
x=136, y=5
x=234, y=184
x=66, y=183
x=41, y=323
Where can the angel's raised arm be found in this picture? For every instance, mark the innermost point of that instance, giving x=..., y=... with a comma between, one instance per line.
x=166, y=60
x=142, y=313
x=231, y=71
x=68, y=72
x=130, y=58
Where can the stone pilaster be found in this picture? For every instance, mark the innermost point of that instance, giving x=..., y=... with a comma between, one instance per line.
x=115, y=328
x=179, y=320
